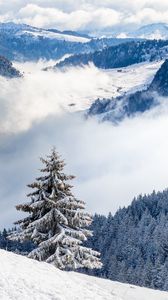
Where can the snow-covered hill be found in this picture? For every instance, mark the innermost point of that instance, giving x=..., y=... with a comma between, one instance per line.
x=150, y=31
x=24, y=279
x=21, y=42
x=23, y=29
x=153, y=31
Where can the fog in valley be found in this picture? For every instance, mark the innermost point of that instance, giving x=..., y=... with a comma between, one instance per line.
x=112, y=164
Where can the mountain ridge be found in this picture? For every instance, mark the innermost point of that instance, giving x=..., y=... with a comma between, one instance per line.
x=23, y=42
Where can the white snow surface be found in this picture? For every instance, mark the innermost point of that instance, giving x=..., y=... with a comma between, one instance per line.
x=132, y=78
x=25, y=279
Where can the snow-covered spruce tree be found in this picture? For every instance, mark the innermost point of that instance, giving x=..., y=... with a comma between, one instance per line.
x=57, y=221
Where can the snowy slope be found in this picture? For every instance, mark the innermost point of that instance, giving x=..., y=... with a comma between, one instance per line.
x=133, y=78
x=25, y=279
x=21, y=30
x=54, y=35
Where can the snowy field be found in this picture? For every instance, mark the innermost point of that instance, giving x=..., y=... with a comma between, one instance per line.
x=25, y=279
x=133, y=78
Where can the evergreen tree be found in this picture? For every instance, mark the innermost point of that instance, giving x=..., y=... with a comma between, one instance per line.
x=57, y=221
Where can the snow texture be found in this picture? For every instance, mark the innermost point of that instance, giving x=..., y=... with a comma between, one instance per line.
x=24, y=279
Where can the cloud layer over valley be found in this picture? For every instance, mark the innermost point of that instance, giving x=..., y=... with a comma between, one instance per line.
x=40, y=94
x=112, y=164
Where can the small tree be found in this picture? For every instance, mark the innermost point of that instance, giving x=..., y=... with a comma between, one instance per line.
x=57, y=221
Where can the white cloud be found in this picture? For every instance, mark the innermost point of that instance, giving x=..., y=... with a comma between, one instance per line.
x=42, y=94
x=147, y=16
x=78, y=19
x=84, y=15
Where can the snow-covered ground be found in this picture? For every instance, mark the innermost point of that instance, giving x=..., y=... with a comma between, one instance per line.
x=25, y=279
x=132, y=78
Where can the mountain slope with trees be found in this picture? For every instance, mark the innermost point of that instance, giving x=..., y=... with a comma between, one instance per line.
x=117, y=109
x=22, y=42
x=134, y=242
x=121, y=55
x=7, y=69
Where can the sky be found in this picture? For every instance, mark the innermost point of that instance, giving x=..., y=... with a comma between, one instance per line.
x=85, y=15
x=112, y=164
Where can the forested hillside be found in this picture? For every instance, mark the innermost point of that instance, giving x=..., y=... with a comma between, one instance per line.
x=134, y=242
x=22, y=42
x=121, y=55
x=7, y=69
